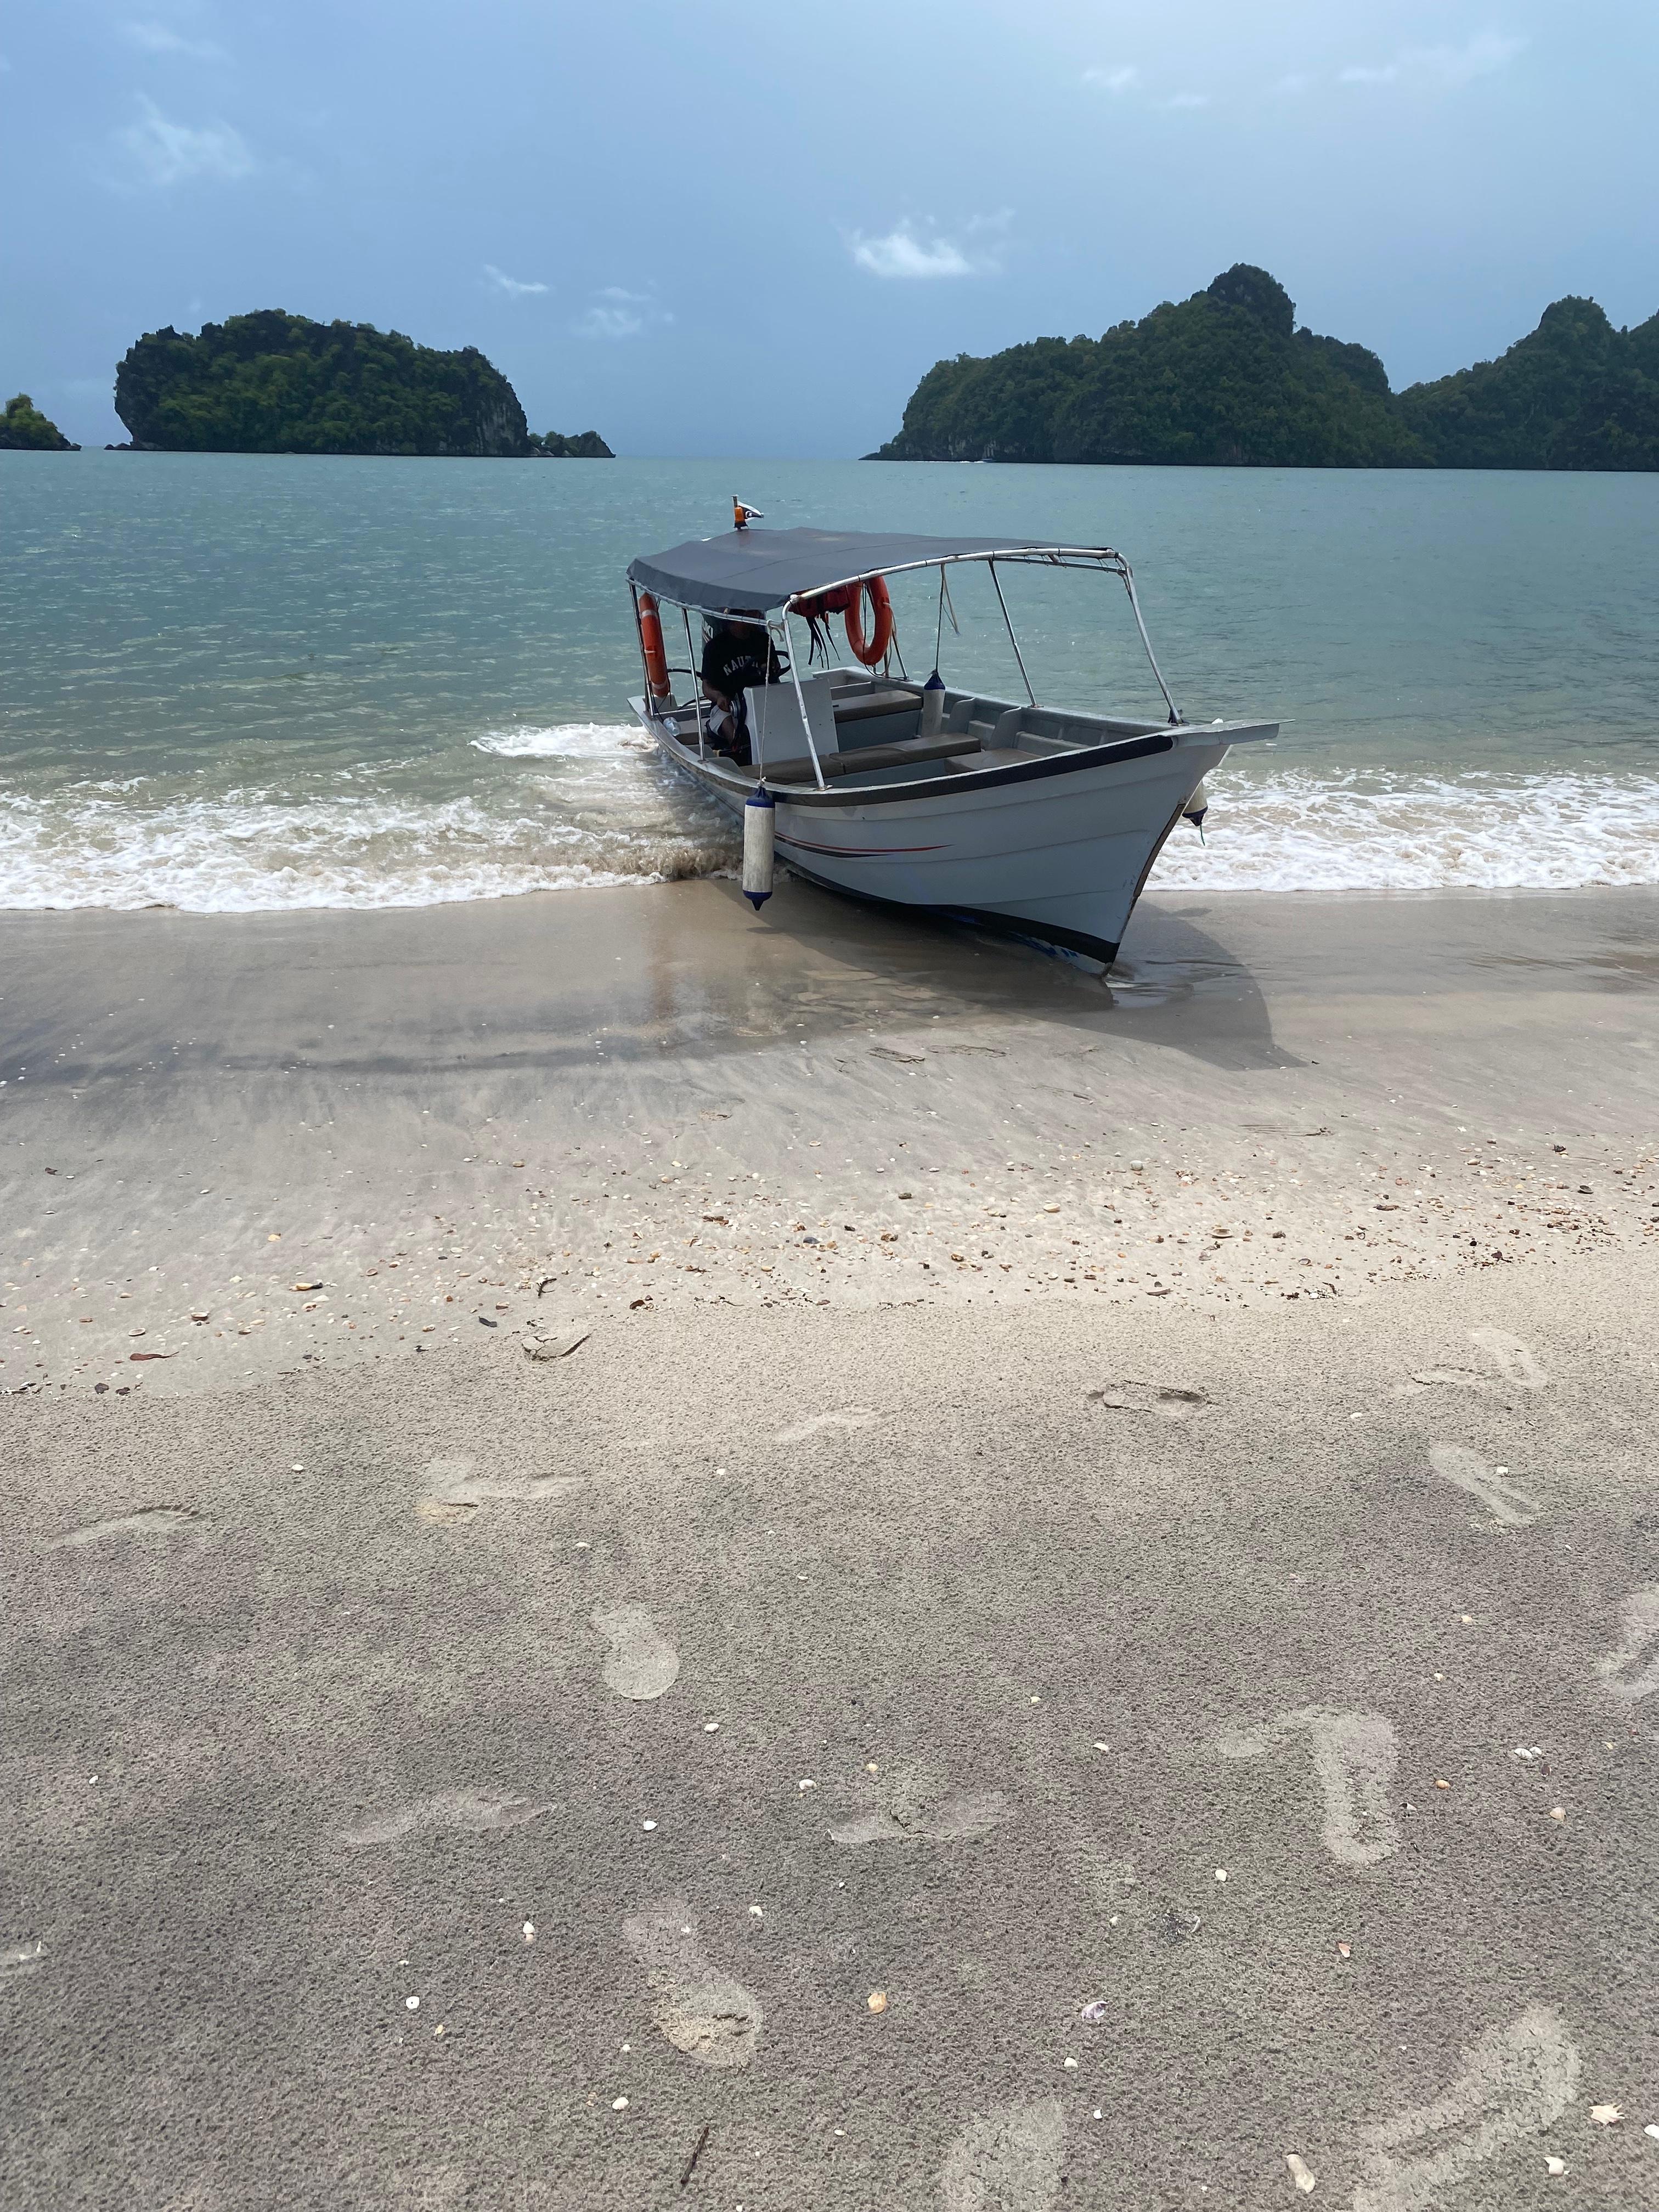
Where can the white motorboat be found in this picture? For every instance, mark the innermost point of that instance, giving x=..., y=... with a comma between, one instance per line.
x=1040, y=820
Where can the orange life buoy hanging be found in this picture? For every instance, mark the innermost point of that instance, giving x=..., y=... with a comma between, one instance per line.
x=651, y=645
x=872, y=650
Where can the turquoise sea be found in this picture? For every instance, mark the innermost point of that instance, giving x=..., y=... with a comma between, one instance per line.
x=237, y=683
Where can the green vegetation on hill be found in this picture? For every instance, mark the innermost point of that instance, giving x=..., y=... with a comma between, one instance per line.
x=1574, y=394
x=23, y=428
x=1227, y=378
x=585, y=446
x=277, y=383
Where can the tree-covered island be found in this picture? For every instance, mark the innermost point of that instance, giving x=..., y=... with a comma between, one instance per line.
x=277, y=383
x=1226, y=379
x=24, y=429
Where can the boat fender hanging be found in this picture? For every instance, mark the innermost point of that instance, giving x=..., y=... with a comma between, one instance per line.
x=933, y=705
x=760, y=814
x=655, y=653
x=872, y=650
x=1195, y=810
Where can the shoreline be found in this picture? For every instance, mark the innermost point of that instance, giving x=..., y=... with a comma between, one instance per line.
x=515, y=1113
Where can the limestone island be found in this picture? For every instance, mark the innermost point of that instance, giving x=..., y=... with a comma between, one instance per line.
x=275, y=383
x=24, y=429
x=1226, y=379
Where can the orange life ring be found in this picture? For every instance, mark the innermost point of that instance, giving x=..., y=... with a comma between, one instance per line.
x=873, y=650
x=651, y=645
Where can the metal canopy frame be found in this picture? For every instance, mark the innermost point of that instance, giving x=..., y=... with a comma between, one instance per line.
x=1099, y=559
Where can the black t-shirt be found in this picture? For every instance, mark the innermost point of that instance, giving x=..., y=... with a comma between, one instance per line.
x=732, y=660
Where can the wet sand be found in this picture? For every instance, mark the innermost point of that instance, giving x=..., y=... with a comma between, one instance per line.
x=1204, y=1689
x=557, y=1105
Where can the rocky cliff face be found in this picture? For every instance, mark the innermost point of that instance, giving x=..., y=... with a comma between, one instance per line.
x=277, y=383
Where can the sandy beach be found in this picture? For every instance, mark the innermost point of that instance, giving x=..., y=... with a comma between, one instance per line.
x=597, y=1484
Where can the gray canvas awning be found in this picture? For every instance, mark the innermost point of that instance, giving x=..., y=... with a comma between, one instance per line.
x=760, y=570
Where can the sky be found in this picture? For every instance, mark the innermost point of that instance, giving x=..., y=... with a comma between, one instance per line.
x=734, y=229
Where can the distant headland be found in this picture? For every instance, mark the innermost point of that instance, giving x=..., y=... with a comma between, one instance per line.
x=275, y=383
x=1226, y=379
x=24, y=429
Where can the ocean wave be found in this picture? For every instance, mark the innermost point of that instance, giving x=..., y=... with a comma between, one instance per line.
x=580, y=805
x=1290, y=832
x=359, y=843
x=582, y=741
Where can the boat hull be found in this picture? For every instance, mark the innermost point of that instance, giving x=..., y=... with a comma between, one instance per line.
x=1056, y=848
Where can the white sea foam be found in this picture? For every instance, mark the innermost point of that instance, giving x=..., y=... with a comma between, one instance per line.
x=580, y=741
x=584, y=805
x=1372, y=832
x=611, y=816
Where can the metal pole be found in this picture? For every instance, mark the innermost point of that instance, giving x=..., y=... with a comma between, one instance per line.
x=800, y=701
x=1129, y=586
x=1012, y=639
x=697, y=683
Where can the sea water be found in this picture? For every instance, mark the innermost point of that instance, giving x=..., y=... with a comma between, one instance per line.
x=241, y=682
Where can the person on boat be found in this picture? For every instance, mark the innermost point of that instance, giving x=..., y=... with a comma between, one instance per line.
x=736, y=655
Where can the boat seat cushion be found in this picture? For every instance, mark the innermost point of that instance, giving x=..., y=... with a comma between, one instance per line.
x=865, y=706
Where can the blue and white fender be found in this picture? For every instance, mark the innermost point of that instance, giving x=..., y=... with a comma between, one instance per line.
x=760, y=816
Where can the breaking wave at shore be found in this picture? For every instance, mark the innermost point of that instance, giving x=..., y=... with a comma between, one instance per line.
x=1293, y=831
x=582, y=805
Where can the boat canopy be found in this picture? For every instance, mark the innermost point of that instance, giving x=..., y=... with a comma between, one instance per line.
x=754, y=571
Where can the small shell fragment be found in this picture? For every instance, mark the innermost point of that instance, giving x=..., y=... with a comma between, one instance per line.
x=877, y=2001
x=1555, y=2166
x=619, y=2104
x=1300, y=2174
x=1096, y=2012
x=1606, y=2116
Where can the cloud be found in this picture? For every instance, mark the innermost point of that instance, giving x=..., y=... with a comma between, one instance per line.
x=910, y=251
x=165, y=153
x=1188, y=100
x=617, y=314
x=1440, y=69
x=157, y=39
x=1126, y=78
x=509, y=287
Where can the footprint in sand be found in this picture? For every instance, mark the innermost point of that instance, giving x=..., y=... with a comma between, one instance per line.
x=1452, y=1379
x=1516, y=2081
x=1174, y=1404
x=641, y=1662
x=955, y=1819
x=1638, y=1619
x=149, y=1521
x=453, y=1488
x=702, y=2012
x=1513, y=1361
x=473, y=1812
x=1354, y=1757
x=1006, y=2160
x=855, y=1417
x=17, y=1960
x=1467, y=1471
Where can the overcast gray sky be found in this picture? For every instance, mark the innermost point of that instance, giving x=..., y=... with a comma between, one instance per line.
x=727, y=228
